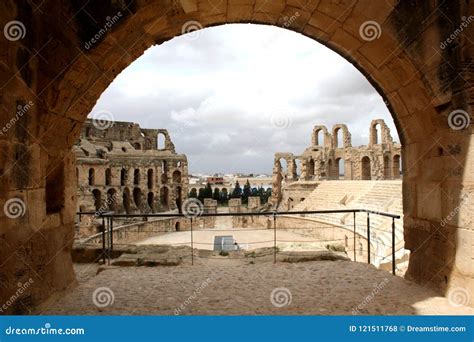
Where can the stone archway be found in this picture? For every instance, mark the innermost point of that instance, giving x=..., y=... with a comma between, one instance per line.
x=57, y=81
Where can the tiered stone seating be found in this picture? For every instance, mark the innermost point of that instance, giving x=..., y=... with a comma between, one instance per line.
x=383, y=196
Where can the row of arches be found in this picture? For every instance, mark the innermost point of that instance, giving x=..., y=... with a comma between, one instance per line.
x=137, y=177
x=136, y=200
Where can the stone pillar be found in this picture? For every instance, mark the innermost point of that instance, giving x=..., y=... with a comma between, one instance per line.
x=254, y=203
x=235, y=206
x=210, y=207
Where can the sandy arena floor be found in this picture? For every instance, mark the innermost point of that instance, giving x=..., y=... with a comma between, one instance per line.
x=235, y=287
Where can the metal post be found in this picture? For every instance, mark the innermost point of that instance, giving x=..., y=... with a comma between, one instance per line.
x=103, y=241
x=393, y=246
x=274, y=239
x=192, y=243
x=111, y=229
x=368, y=238
x=355, y=237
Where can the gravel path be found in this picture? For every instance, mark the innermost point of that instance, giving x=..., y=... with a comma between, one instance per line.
x=238, y=287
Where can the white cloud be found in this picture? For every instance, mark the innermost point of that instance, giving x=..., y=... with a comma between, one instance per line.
x=216, y=95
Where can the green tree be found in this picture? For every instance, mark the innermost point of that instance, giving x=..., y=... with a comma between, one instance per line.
x=247, y=192
x=208, y=191
x=193, y=193
x=237, y=192
x=216, y=195
x=224, y=199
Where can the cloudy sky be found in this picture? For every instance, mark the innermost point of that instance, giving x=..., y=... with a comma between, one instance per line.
x=231, y=96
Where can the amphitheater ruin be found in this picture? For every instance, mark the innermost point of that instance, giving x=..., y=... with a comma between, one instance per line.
x=55, y=65
x=121, y=168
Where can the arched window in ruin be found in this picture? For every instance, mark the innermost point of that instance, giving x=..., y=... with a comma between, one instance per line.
x=297, y=169
x=177, y=226
x=311, y=168
x=330, y=172
x=123, y=177
x=377, y=133
x=339, y=170
x=97, y=199
x=177, y=176
x=386, y=167
x=137, y=146
x=319, y=136
x=338, y=138
x=150, y=179
x=164, y=166
x=137, y=197
x=151, y=201
x=179, y=163
x=365, y=168
x=111, y=199
x=108, y=176
x=91, y=176
x=161, y=141
x=164, y=196
x=136, y=177
x=178, y=198
x=126, y=200
x=283, y=168
x=397, y=166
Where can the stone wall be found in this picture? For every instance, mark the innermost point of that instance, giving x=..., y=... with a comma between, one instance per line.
x=121, y=168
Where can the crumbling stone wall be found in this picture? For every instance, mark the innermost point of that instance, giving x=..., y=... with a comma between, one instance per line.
x=65, y=54
x=320, y=160
x=120, y=168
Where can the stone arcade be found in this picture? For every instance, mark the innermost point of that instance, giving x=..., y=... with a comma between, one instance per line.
x=120, y=167
x=49, y=66
x=332, y=157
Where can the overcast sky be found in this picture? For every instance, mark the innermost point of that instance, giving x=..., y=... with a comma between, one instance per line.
x=231, y=96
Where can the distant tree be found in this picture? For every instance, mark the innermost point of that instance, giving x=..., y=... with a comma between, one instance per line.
x=224, y=198
x=208, y=191
x=216, y=195
x=237, y=192
x=193, y=193
x=202, y=194
x=247, y=192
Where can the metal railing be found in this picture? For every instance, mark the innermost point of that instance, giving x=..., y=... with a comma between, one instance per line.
x=108, y=227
